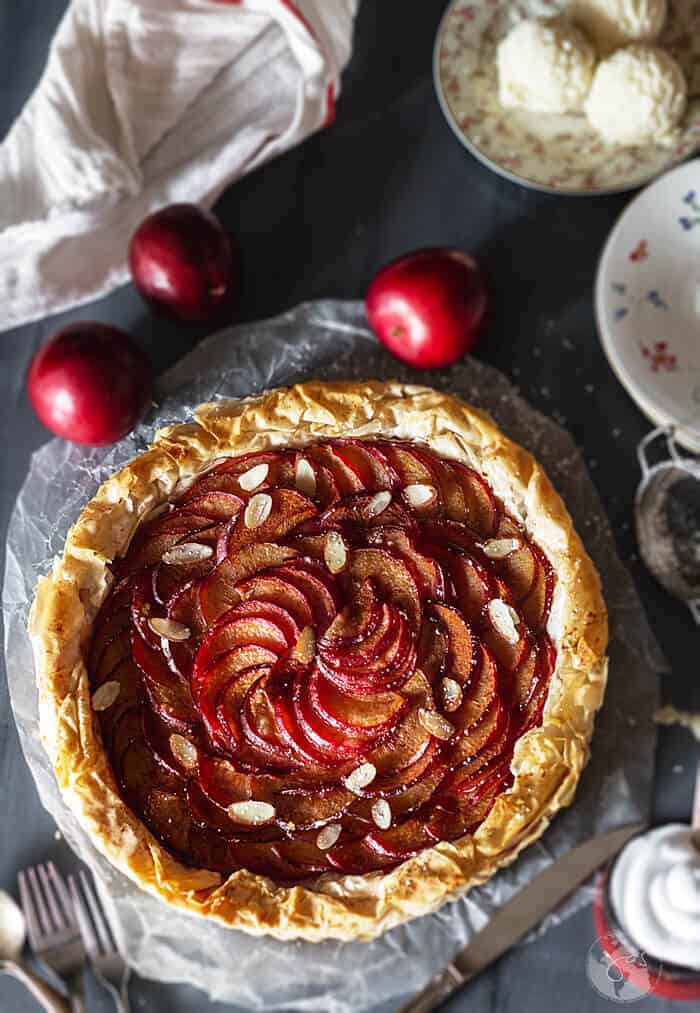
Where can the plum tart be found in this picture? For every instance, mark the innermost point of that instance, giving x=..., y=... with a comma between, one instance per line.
x=320, y=660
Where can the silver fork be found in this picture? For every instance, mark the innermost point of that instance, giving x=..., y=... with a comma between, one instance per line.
x=53, y=932
x=108, y=963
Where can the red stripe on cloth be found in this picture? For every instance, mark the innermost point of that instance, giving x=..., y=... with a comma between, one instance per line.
x=292, y=7
x=330, y=105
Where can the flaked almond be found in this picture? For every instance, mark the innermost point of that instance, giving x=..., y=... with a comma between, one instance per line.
x=169, y=629
x=254, y=477
x=418, y=495
x=104, y=697
x=305, y=477
x=187, y=552
x=499, y=548
x=184, y=751
x=257, y=510
x=253, y=813
x=360, y=777
x=451, y=693
x=328, y=836
x=505, y=619
x=436, y=724
x=305, y=649
x=378, y=504
x=335, y=552
x=381, y=814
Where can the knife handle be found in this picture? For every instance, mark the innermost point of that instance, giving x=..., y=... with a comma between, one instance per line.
x=437, y=991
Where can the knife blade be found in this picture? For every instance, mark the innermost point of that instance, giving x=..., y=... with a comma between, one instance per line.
x=519, y=915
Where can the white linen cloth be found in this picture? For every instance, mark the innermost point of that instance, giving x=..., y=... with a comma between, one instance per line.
x=147, y=102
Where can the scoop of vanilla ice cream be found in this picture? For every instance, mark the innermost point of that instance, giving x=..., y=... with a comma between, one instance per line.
x=545, y=66
x=638, y=96
x=614, y=23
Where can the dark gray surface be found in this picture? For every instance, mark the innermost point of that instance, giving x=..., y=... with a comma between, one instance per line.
x=389, y=176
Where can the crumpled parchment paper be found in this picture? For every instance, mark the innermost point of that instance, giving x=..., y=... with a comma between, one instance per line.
x=330, y=340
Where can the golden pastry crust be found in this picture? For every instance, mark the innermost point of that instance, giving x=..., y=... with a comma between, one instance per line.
x=547, y=761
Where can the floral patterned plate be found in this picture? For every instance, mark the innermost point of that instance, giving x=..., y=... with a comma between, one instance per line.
x=647, y=301
x=557, y=154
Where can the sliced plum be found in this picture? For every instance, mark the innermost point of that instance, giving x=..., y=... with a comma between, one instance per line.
x=318, y=589
x=461, y=645
x=402, y=841
x=392, y=577
x=288, y=510
x=426, y=572
x=480, y=505
x=345, y=479
x=368, y=463
x=239, y=631
x=168, y=818
x=219, y=592
x=350, y=715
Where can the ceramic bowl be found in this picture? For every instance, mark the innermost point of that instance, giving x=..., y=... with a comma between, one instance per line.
x=630, y=973
x=557, y=154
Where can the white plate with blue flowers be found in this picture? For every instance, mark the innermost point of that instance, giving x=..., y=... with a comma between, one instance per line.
x=648, y=301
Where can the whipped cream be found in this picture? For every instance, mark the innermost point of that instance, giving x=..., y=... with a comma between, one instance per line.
x=638, y=96
x=655, y=894
x=545, y=66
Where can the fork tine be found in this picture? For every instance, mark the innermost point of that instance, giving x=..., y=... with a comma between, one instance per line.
x=59, y=921
x=39, y=903
x=62, y=891
x=81, y=914
x=98, y=918
x=30, y=915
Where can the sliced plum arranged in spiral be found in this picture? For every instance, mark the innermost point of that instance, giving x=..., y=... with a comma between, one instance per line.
x=319, y=660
